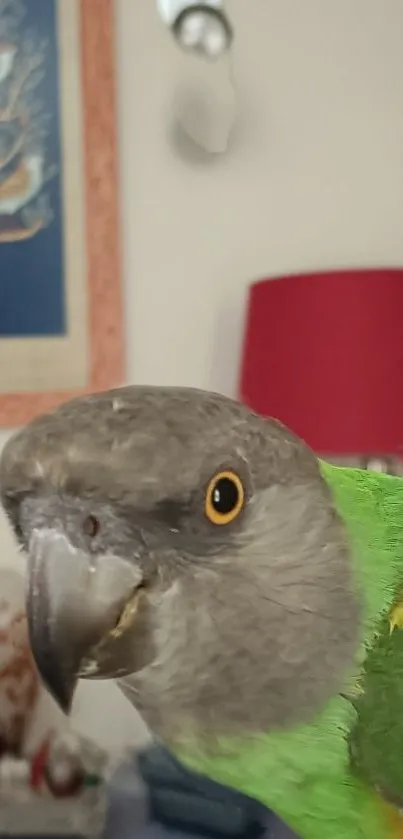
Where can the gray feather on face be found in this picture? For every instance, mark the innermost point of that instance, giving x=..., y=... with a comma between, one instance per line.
x=242, y=628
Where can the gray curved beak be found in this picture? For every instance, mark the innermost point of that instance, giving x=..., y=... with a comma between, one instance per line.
x=73, y=602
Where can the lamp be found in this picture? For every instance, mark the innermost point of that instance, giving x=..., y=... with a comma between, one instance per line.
x=323, y=353
x=204, y=99
x=201, y=27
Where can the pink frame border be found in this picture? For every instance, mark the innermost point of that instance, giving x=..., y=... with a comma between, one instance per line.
x=105, y=312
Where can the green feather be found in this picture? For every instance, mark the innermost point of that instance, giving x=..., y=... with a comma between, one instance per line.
x=306, y=774
x=371, y=505
x=377, y=736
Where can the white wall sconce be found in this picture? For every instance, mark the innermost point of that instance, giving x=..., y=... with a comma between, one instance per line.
x=204, y=100
x=203, y=27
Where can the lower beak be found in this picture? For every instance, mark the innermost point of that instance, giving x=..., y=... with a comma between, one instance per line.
x=73, y=605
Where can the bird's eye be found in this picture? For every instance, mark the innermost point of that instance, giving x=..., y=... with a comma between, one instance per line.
x=225, y=498
x=91, y=526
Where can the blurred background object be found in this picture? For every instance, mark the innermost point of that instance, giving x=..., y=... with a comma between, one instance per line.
x=200, y=27
x=60, y=290
x=324, y=354
x=41, y=760
x=204, y=109
x=19, y=683
x=155, y=796
x=204, y=100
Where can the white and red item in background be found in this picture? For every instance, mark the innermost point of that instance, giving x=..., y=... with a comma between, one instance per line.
x=67, y=764
x=57, y=766
x=19, y=683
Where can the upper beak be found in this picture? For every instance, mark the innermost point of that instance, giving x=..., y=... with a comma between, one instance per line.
x=73, y=604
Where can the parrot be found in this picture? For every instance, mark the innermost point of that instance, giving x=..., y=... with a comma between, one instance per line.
x=245, y=595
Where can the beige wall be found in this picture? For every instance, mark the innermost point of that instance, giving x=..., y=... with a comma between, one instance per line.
x=316, y=181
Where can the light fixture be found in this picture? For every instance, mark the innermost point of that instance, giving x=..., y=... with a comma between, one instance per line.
x=323, y=353
x=201, y=28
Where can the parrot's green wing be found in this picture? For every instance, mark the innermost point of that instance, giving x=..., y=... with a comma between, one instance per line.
x=377, y=737
x=307, y=774
x=371, y=505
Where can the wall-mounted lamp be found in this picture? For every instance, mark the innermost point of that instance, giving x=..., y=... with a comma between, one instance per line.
x=202, y=28
x=204, y=99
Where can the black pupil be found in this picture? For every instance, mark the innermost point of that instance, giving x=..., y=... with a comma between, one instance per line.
x=225, y=496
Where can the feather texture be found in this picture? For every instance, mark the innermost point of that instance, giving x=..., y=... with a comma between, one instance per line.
x=261, y=652
x=307, y=774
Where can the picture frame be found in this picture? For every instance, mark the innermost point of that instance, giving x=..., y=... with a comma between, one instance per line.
x=61, y=312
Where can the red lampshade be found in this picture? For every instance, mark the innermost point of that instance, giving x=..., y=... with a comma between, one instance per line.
x=324, y=354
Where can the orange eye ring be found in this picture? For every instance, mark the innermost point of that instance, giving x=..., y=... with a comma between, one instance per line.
x=225, y=498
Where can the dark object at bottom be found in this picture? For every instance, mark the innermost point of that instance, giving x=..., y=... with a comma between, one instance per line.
x=154, y=797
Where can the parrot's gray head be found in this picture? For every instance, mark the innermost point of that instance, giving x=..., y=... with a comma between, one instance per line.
x=187, y=547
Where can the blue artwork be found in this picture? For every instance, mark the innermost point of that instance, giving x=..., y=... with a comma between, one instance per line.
x=32, y=281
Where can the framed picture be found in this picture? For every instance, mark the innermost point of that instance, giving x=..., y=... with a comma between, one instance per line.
x=61, y=330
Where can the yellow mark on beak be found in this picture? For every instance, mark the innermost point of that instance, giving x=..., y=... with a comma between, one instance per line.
x=127, y=616
x=396, y=617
